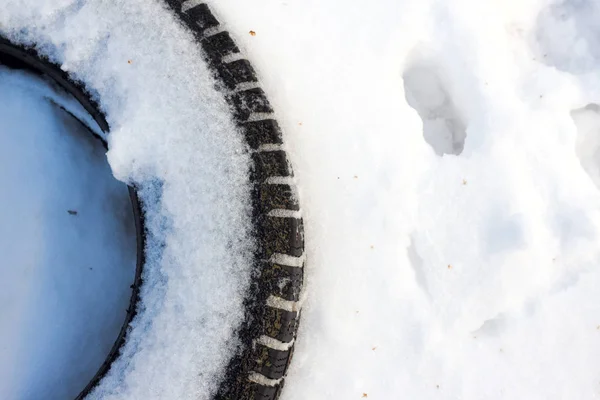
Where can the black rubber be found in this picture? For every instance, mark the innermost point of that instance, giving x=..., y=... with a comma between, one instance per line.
x=18, y=57
x=257, y=370
x=267, y=334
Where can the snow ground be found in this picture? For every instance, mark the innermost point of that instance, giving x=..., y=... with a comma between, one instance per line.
x=447, y=160
x=64, y=277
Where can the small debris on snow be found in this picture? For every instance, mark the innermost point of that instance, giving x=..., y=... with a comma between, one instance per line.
x=252, y=33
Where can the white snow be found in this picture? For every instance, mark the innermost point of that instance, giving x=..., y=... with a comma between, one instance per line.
x=68, y=244
x=447, y=160
x=438, y=271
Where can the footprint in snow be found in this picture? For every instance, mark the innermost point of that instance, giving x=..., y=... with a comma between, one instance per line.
x=443, y=127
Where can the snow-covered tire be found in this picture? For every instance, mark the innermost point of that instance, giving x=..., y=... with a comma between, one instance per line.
x=272, y=306
x=13, y=55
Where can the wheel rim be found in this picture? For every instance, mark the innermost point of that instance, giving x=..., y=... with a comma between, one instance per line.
x=18, y=57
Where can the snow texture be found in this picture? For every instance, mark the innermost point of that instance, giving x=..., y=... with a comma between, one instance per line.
x=172, y=136
x=447, y=160
x=68, y=255
x=446, y=154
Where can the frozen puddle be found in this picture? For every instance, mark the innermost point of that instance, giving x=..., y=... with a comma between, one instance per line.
x=68, y=246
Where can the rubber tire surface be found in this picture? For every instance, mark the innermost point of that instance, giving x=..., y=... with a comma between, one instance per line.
x=268, y=333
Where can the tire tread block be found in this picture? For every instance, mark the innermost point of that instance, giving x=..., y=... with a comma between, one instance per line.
x=280, y=324
x=270, y=362
x=283, y=281
x=249, y=101
x=202, y=17
x=256, y=391
x=276, y=197
x=269, y=163
x=217, y=46
x=236, y=72
x=266, y=131
x=281, y=235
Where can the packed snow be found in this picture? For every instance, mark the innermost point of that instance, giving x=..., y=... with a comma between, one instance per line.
x=68, y=244
x=447, y=155
x=448, y=163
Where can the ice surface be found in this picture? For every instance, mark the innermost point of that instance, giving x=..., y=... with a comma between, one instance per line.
x=456, y=277
x=68, y=245
x=171, y=135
